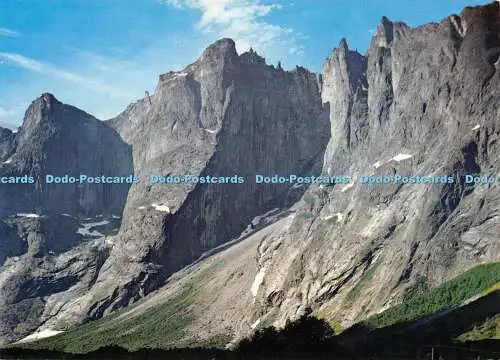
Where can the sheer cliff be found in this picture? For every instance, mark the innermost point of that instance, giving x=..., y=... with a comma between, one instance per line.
x=423, y=101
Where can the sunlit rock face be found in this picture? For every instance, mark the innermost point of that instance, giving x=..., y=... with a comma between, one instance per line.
x=423, y=101
x=225, y=115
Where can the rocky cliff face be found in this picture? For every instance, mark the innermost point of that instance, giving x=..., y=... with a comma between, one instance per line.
x=224, y=115
x=423, y=101
x=57, y=139
x=48, y=230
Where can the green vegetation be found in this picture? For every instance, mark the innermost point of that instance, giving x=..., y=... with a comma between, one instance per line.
x=160, y=327
x=365, y=278
x=420, y=287
x=309, y=199
x=217, y=341
x=454, y=292
x=490, y=329
x=491, y=289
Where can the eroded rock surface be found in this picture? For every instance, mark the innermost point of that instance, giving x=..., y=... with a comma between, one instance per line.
x=423, y=101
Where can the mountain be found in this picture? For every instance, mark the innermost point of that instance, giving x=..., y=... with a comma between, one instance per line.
x=8, y=126
x=227, y=258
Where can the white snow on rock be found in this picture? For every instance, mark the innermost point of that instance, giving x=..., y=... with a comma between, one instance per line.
x=8, y=161
x=115, y=217
x=40, y=335
x=85, y=229
x=180, y=74
x=162, y=208
x=255, y=324
x=15, y=131
x=476, y=127
x=377, y=165
x=401, y=157
x=64, y=214
x=98, y=223
x=338, y=215
x=259, y=278
x=348, y=186
x=141, y=207
x=28, y=215
x=210, y=131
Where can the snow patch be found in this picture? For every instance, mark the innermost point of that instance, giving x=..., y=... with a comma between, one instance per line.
x=28, y=215
x=162, y=208
x=8, y=161
x=15, y=131
x=338, y=215
x=115, y=217
x=347, y=187
x=85, y=229
x=401, y=157
x=40, y=335
x=98, y=223
x=257, y=282
x=255, y=324
x=64, y=214
x=377, y=165
x=210, y=131
x=141, y=207
x=476, y=127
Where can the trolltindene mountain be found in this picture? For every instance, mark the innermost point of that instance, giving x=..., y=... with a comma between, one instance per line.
x=422, y=101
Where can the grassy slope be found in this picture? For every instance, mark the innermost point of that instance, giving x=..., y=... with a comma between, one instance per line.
x=163, y=326
x=490, y=329
x=477, y=281
x=158, y=327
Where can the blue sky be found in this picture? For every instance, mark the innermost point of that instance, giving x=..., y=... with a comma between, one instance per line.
x=101, y=55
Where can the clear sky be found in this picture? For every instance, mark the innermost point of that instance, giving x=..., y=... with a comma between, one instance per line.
x=101, y=55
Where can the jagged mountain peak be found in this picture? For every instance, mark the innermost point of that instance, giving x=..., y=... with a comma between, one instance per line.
x=398, y=110
x=384, y=35
x=224, y=48
x=46, y=101
x=485, y=17
x=343, y=46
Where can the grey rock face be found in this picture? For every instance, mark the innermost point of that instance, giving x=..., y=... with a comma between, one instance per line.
x=45, y=246
x=423, y=101
x=57, y=139
x=431, y=108
x=224, y=115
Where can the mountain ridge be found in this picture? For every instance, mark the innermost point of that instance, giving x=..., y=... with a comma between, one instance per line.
x=227, y=114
